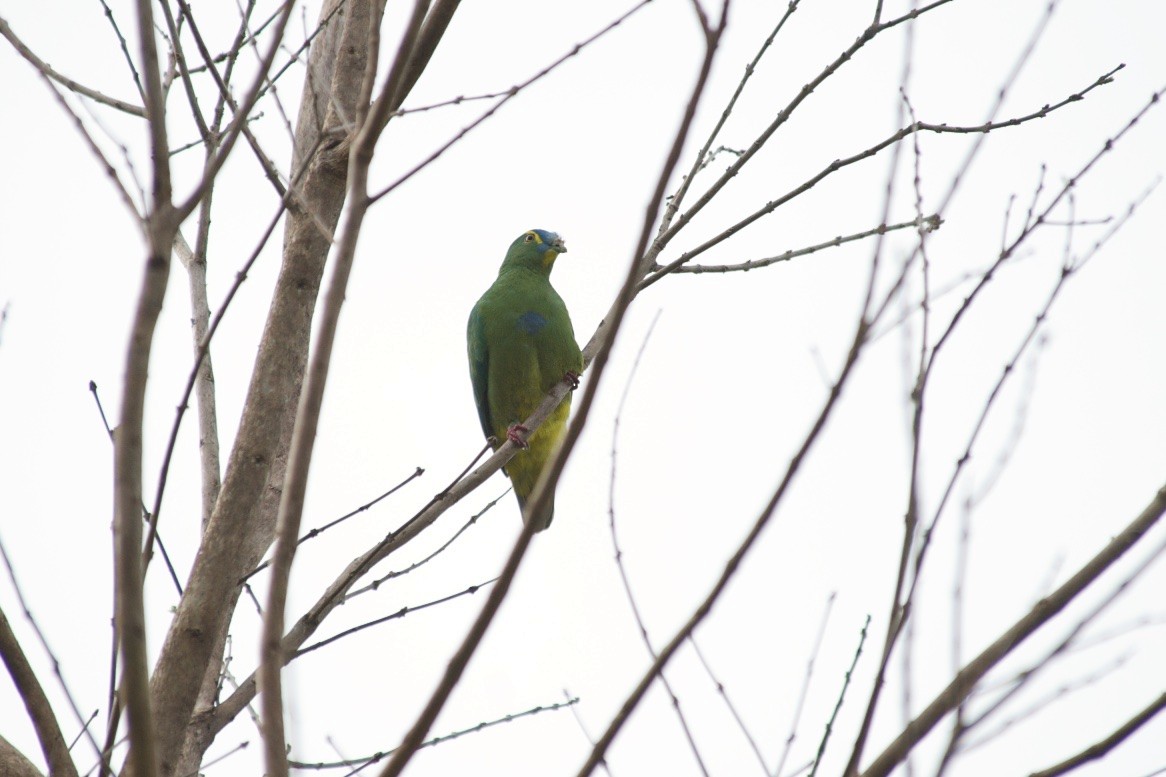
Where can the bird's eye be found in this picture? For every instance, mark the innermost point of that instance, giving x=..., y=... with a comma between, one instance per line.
x=529, y=238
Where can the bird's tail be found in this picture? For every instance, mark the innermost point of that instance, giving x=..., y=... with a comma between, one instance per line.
x=541, y=521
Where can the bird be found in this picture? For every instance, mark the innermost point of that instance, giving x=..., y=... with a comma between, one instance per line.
x=521, y=343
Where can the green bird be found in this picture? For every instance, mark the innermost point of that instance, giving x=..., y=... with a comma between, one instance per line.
x=521, y=344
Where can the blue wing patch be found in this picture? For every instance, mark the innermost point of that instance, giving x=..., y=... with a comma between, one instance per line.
x=531, y=322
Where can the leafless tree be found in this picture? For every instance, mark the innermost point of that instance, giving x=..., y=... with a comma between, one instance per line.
x=162, y=716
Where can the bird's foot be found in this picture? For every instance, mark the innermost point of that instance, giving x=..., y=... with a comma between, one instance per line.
x=516, y=434
x=572, y=379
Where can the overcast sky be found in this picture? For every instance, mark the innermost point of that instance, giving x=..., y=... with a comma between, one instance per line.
x=736, y=369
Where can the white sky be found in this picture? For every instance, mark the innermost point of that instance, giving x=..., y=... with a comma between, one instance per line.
x=734, y=373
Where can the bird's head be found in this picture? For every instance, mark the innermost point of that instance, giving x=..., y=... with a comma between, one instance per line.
x=535, y=250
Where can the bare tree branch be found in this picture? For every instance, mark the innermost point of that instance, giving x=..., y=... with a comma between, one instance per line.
x=129, y=597
x=729, y=704
x=125, y=49
x=208, y=427
x=48, y=732
x=401, y=613
x=627, y=587
x=242, y=523
x=65, y=81
x=103, y=160
x=783, y=116
x=545, y=486
x=227, y=142
x=334, y=141
x=485, y=724
x=704, y=157
x=926, y=224
x=505, y=97
x=211, y=139
x=311, y=399
x=841, y=698
x=734, y=562
x=1102, y=748
x=965, y=680
x=13, y=763
x=801, y=703
x=706, y=605
x=843, y=162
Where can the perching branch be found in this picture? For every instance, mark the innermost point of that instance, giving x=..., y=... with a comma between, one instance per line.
x=551, y=471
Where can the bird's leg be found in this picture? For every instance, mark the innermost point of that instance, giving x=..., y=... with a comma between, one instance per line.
x=572, y=379
x=515, y=433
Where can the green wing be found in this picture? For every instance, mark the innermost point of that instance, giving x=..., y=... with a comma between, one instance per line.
x=520, y=344
x=479, y=368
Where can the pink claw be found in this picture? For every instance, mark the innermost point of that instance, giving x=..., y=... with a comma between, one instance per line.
x=572, y=378
x=515, y=434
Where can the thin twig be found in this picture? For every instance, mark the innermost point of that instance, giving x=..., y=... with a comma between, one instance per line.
x=839, y=164
x=316, y=532
x=1029, y=712
x=145, y=512
x=301, y=447
x=841, y=698
x=623, y=574
x=704, y=156
x=729, y=703
x=238, y=124
x=107, y=166
x=805, y=691
x=923, y=224
x=375, y=757
x=473, y=519
x=784, y=115
x=706, y=605
x=271, y=172
x=125, y=49
x=401, y=613
x=505, y=97
x=219, y=759
x=586, y=734
x=41, y=712
x=551, y=472
x=1031, y=336
x=1046, y=609
x=904, y=592
x=918, y=390
x=1103, y=747
x=204, y=349
x=65, y=81
x=1063, y=646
